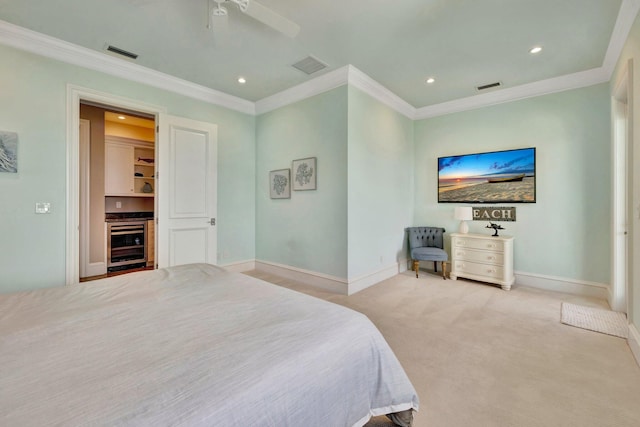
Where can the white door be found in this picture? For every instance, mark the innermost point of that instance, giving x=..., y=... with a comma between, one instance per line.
x=619, y=300
x=187, y=191
x=89, y=242
x=85, y=159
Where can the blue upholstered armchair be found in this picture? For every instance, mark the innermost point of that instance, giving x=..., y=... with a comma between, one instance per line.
x=427, y=244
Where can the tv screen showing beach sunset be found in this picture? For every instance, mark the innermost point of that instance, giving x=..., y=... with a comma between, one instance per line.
x=496, y=177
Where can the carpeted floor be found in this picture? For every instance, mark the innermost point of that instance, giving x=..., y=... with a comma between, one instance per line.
x=479, y=356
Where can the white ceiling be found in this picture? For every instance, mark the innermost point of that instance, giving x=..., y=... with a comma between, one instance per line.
x=462, y=43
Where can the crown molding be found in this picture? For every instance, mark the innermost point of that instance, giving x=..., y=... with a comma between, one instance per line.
x=331, y=80
x=316, y=86
x=371, y=87
x=626, y=16
x=529, y=90
x=50, y=47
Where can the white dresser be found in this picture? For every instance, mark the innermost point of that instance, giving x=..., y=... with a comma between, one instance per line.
x=483, y=257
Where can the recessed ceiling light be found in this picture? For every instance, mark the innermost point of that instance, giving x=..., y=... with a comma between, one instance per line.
x=535, y=49
x=242, y=80
x=121, y=117
x=430, y=80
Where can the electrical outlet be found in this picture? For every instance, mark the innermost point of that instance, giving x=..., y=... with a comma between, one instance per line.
x=43, y=207
x=118, y=205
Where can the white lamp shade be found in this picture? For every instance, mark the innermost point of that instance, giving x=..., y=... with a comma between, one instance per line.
x=463, y=213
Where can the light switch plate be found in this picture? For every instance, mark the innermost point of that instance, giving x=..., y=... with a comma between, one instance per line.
x=43, y=207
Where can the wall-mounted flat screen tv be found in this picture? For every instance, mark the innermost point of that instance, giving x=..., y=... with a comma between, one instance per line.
x=497, y=177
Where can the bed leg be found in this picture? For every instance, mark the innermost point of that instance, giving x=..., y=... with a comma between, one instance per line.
x=403, y=418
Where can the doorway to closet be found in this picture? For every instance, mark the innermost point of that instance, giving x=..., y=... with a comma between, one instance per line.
x=117, y=191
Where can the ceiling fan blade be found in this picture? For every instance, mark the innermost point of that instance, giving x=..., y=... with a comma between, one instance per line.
x=272, y=19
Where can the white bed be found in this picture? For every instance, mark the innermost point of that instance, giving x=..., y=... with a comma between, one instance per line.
x=192, y=345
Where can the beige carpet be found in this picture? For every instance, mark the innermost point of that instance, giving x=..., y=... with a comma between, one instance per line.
x=480, y=356
x=595, y=319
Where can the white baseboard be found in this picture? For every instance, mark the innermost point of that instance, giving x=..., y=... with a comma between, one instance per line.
x=319, y=280
x=634, y=342
x=240, y=266
x=327, y=282
x=359, y=283
x=562, y=284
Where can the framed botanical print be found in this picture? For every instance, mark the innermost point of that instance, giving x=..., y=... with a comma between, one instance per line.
x=280, y=184
x=305, y=174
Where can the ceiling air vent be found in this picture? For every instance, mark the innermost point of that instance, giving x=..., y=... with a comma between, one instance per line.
x=489, y=86
x=309, y=65
x=122, y=52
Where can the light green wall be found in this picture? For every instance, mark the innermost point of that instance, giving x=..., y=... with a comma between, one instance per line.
x=352, y=225
x=309, y=230
x=567, y=232
x=631, y=52
x=380, y=183
x=33, y=104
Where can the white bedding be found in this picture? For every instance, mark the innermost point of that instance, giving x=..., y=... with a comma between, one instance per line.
x=191, y=346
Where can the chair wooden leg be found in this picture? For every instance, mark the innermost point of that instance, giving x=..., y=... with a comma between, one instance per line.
x=435, y=266
x=444, y=270
x=416, y=266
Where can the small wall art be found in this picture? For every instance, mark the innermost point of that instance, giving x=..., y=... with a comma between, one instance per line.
x=8, y=151
x=305, y=174
x=280, y=184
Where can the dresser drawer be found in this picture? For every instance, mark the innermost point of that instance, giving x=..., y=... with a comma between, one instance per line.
x=461, y=242
x=492, y=271
x=486, y=257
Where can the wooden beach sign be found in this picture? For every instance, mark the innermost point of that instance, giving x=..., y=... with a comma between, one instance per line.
x=494, y=213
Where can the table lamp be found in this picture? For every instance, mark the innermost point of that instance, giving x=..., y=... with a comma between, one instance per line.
x=463, y=213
